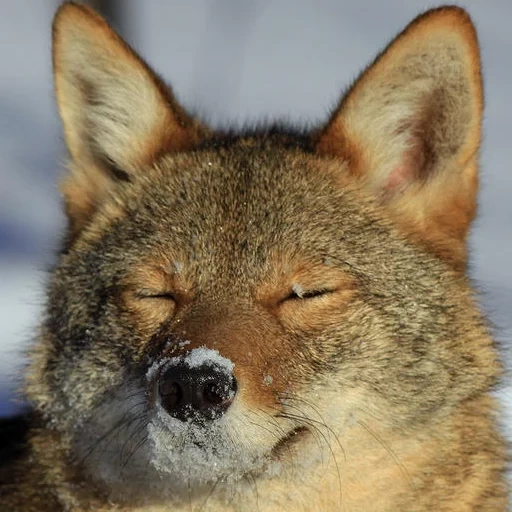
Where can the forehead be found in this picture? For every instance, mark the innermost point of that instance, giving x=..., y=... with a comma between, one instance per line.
x=233, y=209
x=248, y=188
x=240, y=214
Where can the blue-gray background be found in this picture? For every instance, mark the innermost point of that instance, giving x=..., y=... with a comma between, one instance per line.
x=231, y=61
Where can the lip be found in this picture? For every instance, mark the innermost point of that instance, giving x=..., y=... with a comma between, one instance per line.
x=286, y=443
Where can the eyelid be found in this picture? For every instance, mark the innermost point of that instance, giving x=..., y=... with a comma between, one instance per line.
x=154, y=294
x=307, y=294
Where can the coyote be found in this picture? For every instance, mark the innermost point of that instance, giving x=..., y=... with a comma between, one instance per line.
x=265, y=320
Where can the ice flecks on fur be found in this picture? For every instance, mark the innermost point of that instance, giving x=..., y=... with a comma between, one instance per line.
x=195, y=358
x=191, y=450
x=197, y=453
x=202, y=355
x=298, y=289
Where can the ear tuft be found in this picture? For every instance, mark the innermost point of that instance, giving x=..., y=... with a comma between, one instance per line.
x=410, y=127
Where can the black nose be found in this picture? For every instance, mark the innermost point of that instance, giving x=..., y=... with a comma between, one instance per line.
x=198, y=393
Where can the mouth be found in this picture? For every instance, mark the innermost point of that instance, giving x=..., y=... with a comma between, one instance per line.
x=288, y=442
x=180, y=455
x=207, y=452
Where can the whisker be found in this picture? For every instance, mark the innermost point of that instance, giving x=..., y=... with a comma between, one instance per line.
x=124, y=422
x=140, y=444
x=210, y=494
x=272, y=420
x=267, y=429
x=136, y=431
x=386, y=446
x=322, y=423
x=263, y=428
x=110, y=432
x=316, y=425
x=255, y=489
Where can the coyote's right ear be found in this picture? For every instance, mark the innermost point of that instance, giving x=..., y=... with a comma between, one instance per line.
x=116, y=113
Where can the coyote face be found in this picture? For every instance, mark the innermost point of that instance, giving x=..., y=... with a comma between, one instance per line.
x=270, y=319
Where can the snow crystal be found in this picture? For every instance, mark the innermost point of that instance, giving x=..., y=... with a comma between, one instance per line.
x=178, y=266
x=328, y=262
x=202, y=355
x=267, y=379
x=193, y=359
x=155, y=367
x=196, y=453
x=298, y=290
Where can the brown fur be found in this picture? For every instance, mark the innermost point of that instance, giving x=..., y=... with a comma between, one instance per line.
x=328, y=267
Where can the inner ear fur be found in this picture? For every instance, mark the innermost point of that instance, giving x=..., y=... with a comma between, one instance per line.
x=117, y=115
x=410, y=129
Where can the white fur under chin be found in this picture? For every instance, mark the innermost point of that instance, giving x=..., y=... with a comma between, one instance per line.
x=196, y=454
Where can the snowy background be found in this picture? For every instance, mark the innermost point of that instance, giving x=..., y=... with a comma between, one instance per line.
x=231, y=61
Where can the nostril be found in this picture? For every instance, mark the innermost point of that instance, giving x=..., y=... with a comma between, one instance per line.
x=212, y=394
x=171, y=393
x=219, y=392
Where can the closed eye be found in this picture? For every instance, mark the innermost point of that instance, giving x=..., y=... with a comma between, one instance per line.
x=299, y=293
x=151, y=294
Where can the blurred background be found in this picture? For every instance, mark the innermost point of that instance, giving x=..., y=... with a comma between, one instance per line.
x=232, y=62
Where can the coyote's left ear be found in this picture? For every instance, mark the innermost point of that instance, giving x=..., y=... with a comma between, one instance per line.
x=117, y=114
x=410, y=129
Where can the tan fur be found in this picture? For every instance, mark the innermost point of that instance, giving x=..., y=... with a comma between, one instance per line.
x=429, y=71
x=328, y=268
x=101, y=96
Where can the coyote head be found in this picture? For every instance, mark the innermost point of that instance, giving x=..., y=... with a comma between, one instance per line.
x=231, y=306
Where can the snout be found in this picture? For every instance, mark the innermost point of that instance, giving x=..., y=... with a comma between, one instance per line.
x=198, y=386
